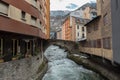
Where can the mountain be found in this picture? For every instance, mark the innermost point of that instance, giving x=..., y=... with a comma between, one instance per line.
x=58, y=13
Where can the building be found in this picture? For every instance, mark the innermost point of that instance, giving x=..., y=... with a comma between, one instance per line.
x=80, y=29
x=47, y=18
x=23, y=24
x=104, y=10
x=56, y=19
x=115, y=30
x=99, y=32
x=70, y=27
x=89, y=11
x=66, y=29
x=92, y=45
x=59, y=34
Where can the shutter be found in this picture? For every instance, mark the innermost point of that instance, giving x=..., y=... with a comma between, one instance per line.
x=3, y=8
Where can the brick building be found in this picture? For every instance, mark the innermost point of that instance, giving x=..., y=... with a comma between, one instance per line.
x=99, y=32
x=92, y=44
x=23, y=24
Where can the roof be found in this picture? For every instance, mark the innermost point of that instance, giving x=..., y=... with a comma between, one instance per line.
x=92, y=20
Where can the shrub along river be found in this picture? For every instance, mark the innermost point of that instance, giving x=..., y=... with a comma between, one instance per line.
x=62, y=68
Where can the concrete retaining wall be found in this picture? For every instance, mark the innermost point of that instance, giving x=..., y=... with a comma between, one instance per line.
x=24, y=69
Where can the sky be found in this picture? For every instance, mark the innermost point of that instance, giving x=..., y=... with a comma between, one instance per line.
x=67, y=4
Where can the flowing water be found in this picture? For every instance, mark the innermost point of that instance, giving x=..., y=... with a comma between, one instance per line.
x=62, y=68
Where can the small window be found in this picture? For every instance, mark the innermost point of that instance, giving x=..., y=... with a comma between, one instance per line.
x=83, y=29
x=23, y=14
x=77, y=26
x=106, y=43
x=4, y=8
x=33, y=20
x=40, y=7
x=98, y=43
x=40, y=23
x=83, y=35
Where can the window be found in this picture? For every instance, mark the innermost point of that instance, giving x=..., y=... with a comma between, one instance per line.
x=83, y=29
x=106, y=43
x=98, y=43
x=105, y=19
x=93, y=43
x=77, y=26
x=23, y=14
x=40, y=23
x=83, y=35
x=33, y=20
x=3, y=8
x=40, y=7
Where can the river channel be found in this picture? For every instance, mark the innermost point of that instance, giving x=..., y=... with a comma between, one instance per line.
x=62, y=68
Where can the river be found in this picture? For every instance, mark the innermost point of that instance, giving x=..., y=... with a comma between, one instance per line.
x=62, y=68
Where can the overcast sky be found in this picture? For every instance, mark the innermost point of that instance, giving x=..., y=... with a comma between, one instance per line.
x=67, y=4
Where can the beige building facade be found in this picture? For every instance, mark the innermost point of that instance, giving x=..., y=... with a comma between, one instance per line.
x=99, y=32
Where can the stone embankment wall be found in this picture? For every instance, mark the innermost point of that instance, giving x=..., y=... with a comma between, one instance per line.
x=71, y=47
x=24, y=69
x=107, y=70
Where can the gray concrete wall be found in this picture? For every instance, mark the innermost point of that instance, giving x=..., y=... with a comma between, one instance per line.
x=116, y=29
x=24, y=69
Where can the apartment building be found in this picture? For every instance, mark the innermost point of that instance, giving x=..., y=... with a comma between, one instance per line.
x=80, y=29
x=66, y=29
x=23, y=23
x=99, y=32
